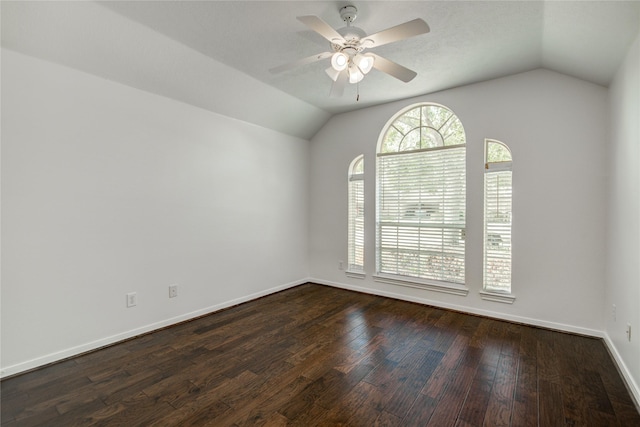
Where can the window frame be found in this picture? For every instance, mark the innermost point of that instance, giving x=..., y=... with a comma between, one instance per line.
x=355, y=234
x=457, y=288
x=496, y=168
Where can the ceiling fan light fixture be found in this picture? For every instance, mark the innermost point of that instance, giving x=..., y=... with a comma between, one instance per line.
x=355, y=75
x=339, y=61
x=364, y=62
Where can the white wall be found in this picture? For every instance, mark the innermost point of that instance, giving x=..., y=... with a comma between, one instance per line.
x=623, y=229
x=108, y=190
x=556, y=127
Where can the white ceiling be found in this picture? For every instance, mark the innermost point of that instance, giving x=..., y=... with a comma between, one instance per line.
x=216, y=54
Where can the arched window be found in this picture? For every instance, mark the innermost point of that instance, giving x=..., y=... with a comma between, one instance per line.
x=355, y=242
x=421, y=189
x=497, y=217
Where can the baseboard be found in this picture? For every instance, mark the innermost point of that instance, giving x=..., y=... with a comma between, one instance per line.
x=465, y=309
x=103, y=342
x=632, y=385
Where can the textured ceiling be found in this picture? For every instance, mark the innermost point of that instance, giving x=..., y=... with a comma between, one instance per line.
x=216, y=54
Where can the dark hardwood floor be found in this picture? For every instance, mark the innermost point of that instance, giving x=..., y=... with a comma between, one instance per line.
x=315, y=355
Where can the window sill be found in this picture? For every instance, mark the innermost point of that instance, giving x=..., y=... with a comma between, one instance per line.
x=355, y=274
x=497, y=297
x=447, y=288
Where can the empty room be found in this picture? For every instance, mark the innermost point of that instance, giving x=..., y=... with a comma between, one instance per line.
x=319, y=213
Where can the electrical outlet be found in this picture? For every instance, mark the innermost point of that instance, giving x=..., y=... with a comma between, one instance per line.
x=132, y=299
x=629, y=331
x=340, y=265
x=613, y=312
x=173, y=291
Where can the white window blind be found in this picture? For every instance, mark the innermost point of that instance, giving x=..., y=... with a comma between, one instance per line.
x=355, y=242
x=498, y=190
x=421, y=213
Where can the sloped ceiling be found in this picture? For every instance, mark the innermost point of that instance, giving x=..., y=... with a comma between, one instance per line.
x=216, y=54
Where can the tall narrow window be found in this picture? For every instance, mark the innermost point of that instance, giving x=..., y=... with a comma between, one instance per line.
x=420, y=224
x=497, y=217
x=356, y=216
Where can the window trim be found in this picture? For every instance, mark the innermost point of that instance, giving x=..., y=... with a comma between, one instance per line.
x=497, y=297
x=428, y=284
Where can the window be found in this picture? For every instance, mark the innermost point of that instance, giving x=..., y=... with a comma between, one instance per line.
x=421, y=190
x=356, y=216
x=497, y=217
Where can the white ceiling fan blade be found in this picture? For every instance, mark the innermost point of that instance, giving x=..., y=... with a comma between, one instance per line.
x=322, y=28
x=337, y=88
x=394, y=34
x=392, y=68
x=298, y=63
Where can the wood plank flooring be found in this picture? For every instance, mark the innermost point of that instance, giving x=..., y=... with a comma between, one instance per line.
x=319, y=356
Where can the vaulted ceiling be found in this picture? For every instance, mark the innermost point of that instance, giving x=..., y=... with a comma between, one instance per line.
x=216, y=54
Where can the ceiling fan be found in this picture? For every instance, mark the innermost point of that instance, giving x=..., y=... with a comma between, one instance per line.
x=349, y=62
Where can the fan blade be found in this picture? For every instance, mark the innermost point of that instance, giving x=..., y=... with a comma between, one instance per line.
x=300, y=62
x=393, y=69
x=337, y=88
x=322, y=28
x=394, y=34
